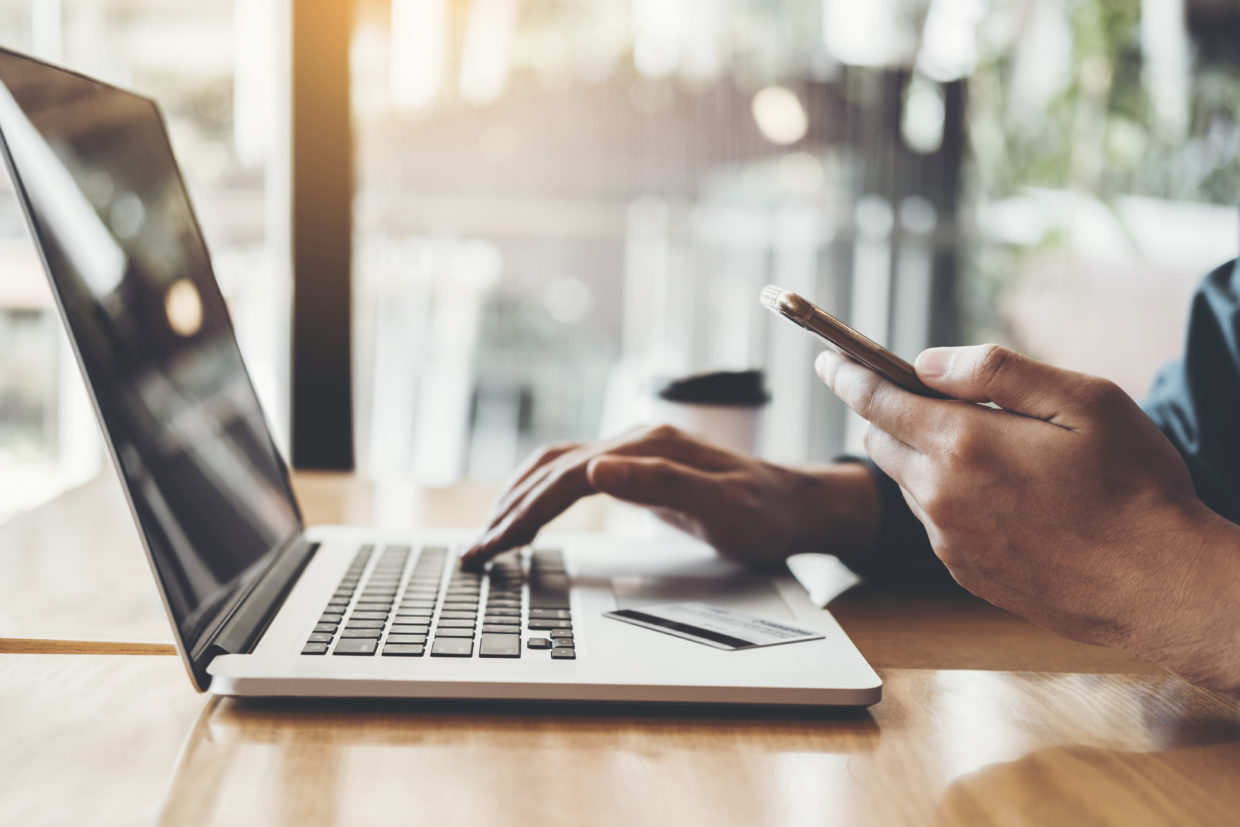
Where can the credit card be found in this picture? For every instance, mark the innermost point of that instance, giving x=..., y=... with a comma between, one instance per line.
x=713, y=626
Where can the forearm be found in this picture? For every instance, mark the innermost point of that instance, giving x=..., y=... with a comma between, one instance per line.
x=1193, y=627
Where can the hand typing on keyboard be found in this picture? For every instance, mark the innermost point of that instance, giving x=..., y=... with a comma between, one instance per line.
x=745, y=508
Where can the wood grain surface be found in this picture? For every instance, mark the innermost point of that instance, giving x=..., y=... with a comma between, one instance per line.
x=122, y=740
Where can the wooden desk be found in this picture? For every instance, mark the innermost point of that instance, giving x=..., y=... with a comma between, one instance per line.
x=985, y=719
x=121, y=740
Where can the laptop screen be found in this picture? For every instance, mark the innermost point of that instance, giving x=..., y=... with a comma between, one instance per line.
x=130, y=271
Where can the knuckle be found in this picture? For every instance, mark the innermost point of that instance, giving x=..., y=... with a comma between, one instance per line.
x=991, y=360
x=661, y=433
x=964, y=450
x=867, y=396
x=1103, y=393
x=555, y=449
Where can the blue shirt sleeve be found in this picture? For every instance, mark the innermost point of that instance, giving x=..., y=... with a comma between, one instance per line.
x=1195, y=401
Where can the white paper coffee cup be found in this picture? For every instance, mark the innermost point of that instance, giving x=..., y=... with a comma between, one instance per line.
x=724, y=408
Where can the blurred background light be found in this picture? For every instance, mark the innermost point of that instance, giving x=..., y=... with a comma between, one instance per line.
x=949, y=42
x=924, y=115
x=485, y=54
x=867, y=32
x=780, y=116
x=657, y=30
x=1167, y=66
x=418, y=52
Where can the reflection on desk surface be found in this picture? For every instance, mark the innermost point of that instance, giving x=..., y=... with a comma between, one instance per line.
x=943, y=747
x=121, y=740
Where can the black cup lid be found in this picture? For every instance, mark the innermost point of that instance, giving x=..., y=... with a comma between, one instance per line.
x=744, y=388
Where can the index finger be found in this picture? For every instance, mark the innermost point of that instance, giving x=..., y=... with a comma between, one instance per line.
x=547, y=500
x=910, y=418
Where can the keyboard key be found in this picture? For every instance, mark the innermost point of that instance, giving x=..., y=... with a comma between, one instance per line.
x=399, y=628
x=469, y=633
x=321, y=637
x=404, y=650
x=500, y=630
x=405, y=639
x=499, y=646
x=368, y=616
x=373, y=634
x=356, y=646
x=498, y=612
x=538, y=643
x=540, y=600
x=557, y=634
x=563, y=654
x=447, y=615
x=456, y=623
x=514, y=622
x=365, y=623
x=549, y=614
x=416, y=605
x=314, y=649
x=325, y=627
x=543, y=625
x=461, y=606
x=403, y=612
x=452, y=648
x=503, y=604
x=563, y=643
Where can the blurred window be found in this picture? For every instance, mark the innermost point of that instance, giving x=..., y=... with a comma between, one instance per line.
x=559, y=201
x=213, y=68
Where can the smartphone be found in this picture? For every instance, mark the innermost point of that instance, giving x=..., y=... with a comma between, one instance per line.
x=844, y=339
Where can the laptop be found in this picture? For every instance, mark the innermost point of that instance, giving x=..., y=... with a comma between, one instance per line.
x=262, y=604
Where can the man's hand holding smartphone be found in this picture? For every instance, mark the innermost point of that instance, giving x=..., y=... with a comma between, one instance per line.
x=1065, y=504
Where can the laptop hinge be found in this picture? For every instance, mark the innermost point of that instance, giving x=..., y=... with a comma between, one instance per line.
x=250, y=619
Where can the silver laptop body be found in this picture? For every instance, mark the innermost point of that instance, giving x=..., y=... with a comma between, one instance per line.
x=259, y=603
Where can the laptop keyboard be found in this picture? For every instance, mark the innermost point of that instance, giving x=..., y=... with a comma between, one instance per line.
x=404, y=609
